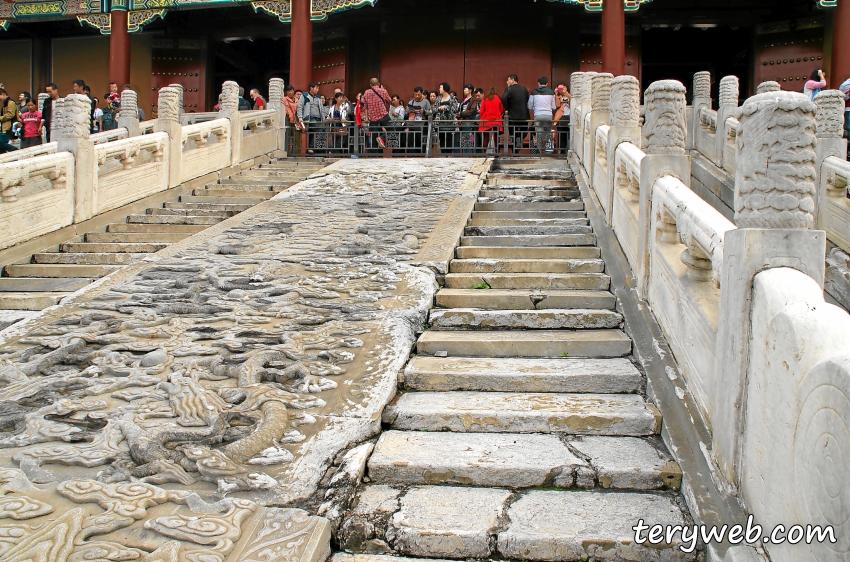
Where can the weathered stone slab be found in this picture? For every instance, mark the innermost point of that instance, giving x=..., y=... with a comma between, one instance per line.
x=345, y=557
x=552, y=525
x=604, y=376
x=539, y=343
x=551, y=319
x=123, y=247
x=531, y=221
x=29, y=301
x=485, y=265
x=36, y=284
x=83, y=258
x=529, y=214
x=527, y=252
x=512, y=412
x=524, y=206
x=523, y=299
x=629, y=463
x=475, y=459
x=526, y=230
x=531, y=240
x=59, y=270
x=159, y=236
x=447, y=521
x=166, y=219
x=592, y=281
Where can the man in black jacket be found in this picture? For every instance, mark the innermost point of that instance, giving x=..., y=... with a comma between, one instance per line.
x=515, y=100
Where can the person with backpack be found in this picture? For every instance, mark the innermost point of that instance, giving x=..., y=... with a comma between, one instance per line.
x=377, y=101
x=310, y=113
x=9, y=115
x=815, y=84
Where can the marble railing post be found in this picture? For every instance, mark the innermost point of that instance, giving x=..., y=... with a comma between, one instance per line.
x=624, y=119
x=181, y=109
x=275, y=102
x=229, y=109
x=776, y=146
x=664, y=133
x=768, y=86
x=128, y=117
x=600, y=101
x=701, y=99
x=168, y=122
x=70, y=128
x=728, y=104
x=829, y=116
x=576, y=88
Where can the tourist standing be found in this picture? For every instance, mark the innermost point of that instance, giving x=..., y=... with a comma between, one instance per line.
x=33, y=125
x=815, y=84
x=418, y=110
x=562, y=116
x=259, y=102
x=47, y=111
x=112, y=101
x=490, y=112
x=541, y=104
x=445, y=117
x=338, y=119
x=293, y=125
x=515, y=102
x=377, y=102
x=243, y=103
x=79, y=88
x=8, y=116
x=467, y=116
x=23, y=99
x=310, y=114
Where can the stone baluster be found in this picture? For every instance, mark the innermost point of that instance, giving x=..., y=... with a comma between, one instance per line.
x=70, y=127
x=275, y=102
x=774, y=202
x=664, y=134
x=576, y=88
x=128, y=117
x=701, y=100
x=624, y=119
x=600, y=102
x=168, y=121
x=768, y=86
x=829, y=117
x=728, y=104
x=229, y=109
x=181, y=105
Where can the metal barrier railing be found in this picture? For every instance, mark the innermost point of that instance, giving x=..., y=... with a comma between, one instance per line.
x=430, y=138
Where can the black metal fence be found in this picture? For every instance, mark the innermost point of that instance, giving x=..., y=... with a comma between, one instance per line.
x=430, y=138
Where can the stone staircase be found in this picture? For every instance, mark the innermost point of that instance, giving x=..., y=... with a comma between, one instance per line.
x=46, y=277
x=522, y=430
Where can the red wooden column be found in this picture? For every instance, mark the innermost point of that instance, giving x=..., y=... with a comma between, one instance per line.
x=614, y=37
x=119, y=49
x=840, y=45
x=301, y=46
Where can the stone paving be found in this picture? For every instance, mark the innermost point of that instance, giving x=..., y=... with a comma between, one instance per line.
x=167, y=410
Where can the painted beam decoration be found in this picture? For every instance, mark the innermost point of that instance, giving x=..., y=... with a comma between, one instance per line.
x=596, y=5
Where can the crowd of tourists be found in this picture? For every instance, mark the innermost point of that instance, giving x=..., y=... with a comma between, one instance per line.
x=471, y=122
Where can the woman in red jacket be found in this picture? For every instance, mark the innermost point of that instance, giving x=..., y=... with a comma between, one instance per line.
x=490, y=112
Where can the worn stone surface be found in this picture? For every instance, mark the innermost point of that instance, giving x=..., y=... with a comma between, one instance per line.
x=551, y=525
x=607, y=376
x=530, y=240
x=538, y=343
x=484, y=265
x=528, y=280
x=552, y=319
x=162, y=408
x=476, y=459
x=509, y=252
x=629, y=463
x=446, y=521
x=523, y=299
x=510, y=412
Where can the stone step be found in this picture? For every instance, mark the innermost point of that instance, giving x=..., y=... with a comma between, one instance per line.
x=243, y=182
x=136, y=237
x=147, y=228
x=191, y=212
x=527, y=252
x=30, y=301
x=240, y=200
x=593, y=281
x=261, y=194
x=88, y=258
x=155, y=219
x=483, y=265
x=547, y=319
x=530, y=240
x=556, y=525
x=125, y=247
x=293, y=175
x=521, y=412
x=530, y=199
x=522, y=231
x=59, y=270
x=528, y=299
x=295, y=165
x=528, y=206
x=508, y=191
x=565, y=180
x=208, y=206
x=601, y=376
x=521, y=214
x=527, y=222
x=521, y=461
x=35, y=284
x=537, y=343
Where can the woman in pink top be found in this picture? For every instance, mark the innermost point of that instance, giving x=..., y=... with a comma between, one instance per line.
x=32, y=125
x=815, y=84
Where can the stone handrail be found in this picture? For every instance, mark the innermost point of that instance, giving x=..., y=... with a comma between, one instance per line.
x=13, y=174
x=730, y=132
x=193, y=118
x=708, y=117
x=127, y=150
x=109, y=136
x=834, y=206
x=200, y=133
x=24, y=153
x=681, y=215
x=147, y=127
x=252, y=120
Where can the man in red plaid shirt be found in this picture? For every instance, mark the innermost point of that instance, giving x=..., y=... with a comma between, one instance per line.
x=377, y=102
